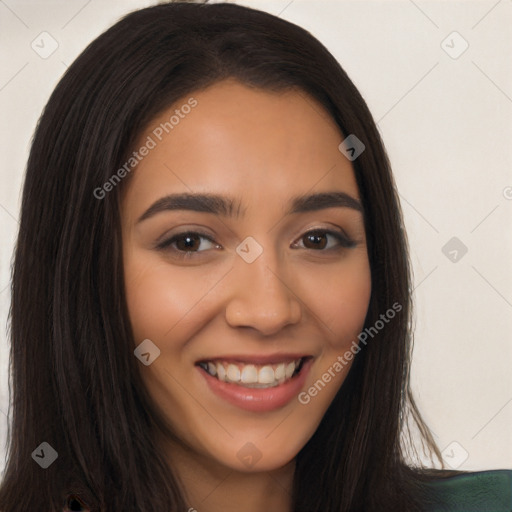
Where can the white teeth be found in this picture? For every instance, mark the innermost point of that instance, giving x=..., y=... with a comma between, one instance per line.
x=266, y=375
x=233, y=373
x=212, y=369
x=221, y=372
x=279, y=372
x=290, y=368
x=250, y=375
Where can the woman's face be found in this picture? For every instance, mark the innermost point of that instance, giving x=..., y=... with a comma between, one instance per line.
x=265, y=281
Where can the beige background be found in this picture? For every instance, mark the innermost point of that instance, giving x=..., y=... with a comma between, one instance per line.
x=446, y=119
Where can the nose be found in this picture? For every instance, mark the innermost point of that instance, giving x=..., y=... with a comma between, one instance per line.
x=262, y=296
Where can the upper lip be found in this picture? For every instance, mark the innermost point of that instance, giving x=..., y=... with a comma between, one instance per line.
x=256, y=359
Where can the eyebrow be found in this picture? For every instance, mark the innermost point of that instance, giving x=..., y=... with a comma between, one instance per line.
x=230, y=207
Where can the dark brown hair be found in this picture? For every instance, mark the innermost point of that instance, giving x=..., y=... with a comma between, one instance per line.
x=75, y=380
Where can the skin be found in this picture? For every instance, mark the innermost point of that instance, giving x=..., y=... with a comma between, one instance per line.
x=262, y=148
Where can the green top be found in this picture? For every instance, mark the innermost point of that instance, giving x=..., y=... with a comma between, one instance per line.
x=482, y=491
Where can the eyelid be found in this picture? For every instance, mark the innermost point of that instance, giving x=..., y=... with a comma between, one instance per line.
x=344, y=241
x=164, y=242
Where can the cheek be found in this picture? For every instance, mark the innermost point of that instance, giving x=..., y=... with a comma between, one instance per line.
x=154, y=306
x=341, y=306
x=165, y=301
x=341, y=303
x=162, y=299
x=349, y=304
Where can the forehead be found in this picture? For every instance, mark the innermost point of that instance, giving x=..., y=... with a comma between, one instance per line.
x=242, y=141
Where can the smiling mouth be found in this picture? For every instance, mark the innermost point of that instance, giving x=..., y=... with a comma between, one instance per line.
x=254, y=376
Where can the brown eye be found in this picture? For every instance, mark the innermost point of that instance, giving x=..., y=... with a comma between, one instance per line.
x=319, y=240
x=187, y=243
x=315, y=240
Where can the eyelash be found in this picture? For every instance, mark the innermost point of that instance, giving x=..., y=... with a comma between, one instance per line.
x=344, y=242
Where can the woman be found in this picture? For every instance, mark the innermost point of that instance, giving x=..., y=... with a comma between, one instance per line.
x=211, y=290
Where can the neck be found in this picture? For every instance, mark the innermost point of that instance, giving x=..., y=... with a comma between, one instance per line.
x=211, y=487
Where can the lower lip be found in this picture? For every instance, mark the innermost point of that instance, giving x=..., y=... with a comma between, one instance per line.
x=259, y=400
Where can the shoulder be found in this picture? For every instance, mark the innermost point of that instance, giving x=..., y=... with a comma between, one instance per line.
x=447, y=491
x=481, y=491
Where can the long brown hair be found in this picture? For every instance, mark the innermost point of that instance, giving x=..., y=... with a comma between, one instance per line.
x=75, y=382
